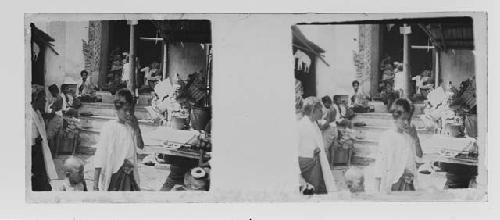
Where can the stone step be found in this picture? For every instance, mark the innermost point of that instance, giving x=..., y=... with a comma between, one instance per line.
x=93, y=124
x=373, y=135
x=96, y=122
x=375, y=115
x=108, y=109
x=88, y=138
x=382, y=119
x=379, y=107
x=365, y=148
x=430, y=143
x=107, y=97
x=380, y=129
x=361, y=161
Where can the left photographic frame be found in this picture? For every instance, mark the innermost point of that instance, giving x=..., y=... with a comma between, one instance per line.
x=118, y=105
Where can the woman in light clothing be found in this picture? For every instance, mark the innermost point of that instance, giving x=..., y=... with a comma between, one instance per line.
x=313, y=161
x=116, y=156
x=395, y=165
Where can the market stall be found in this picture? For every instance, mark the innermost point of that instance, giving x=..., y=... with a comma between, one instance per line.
x=458, y=157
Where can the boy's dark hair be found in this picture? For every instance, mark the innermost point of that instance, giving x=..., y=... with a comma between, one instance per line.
x=405, y=103
x=326, y=99
x=125, y=93
x=355, y=82
x=84, y=71
x=53, y=88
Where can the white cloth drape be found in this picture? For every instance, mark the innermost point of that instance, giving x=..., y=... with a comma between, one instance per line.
x=398, y=80
x=126, y=72
x=310, y=137
x=116, y=143
x=38, y=128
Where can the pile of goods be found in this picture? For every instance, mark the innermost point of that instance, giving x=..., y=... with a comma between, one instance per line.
x=468, y=154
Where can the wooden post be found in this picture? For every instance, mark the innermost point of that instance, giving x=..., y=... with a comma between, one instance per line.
x=164, y=63
x=406, y=61
x=436, y=70
x=131, y=82
x=208, y=66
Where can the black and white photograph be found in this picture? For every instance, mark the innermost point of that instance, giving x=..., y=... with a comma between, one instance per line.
x=387, y=107
x=119, y=105
x=314, y=114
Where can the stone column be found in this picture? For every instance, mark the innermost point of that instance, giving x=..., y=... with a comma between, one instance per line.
x=406, y=63
x=104, y=67
x=368, y=58
x=164, y=58
x=436, y=68
x=92, y=50
x=131, y=82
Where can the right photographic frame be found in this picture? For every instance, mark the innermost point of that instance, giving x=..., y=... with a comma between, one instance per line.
x=388, y=109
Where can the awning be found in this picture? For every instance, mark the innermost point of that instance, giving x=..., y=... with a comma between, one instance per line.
x=41, y=38
x=300, y=41
x=194, y=31
x=454, y=35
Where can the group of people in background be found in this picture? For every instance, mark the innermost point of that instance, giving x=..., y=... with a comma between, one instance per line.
x=319, y=122
x=64, y=102
x=115, y=160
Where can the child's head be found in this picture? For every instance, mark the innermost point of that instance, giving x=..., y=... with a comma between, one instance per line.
x=312, y=107
x=355, y=179
x=54, y=90
x=327, y=101
x=74, y=169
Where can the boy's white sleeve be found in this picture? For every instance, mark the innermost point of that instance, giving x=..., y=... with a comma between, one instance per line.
x=380, y=156
x=102, y=147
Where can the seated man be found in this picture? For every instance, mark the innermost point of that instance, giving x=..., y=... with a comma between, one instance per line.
x=359, y=101
x=86, y=89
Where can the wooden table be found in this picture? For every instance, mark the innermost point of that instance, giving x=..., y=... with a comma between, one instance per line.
x=458, y=171
x=170, y=151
